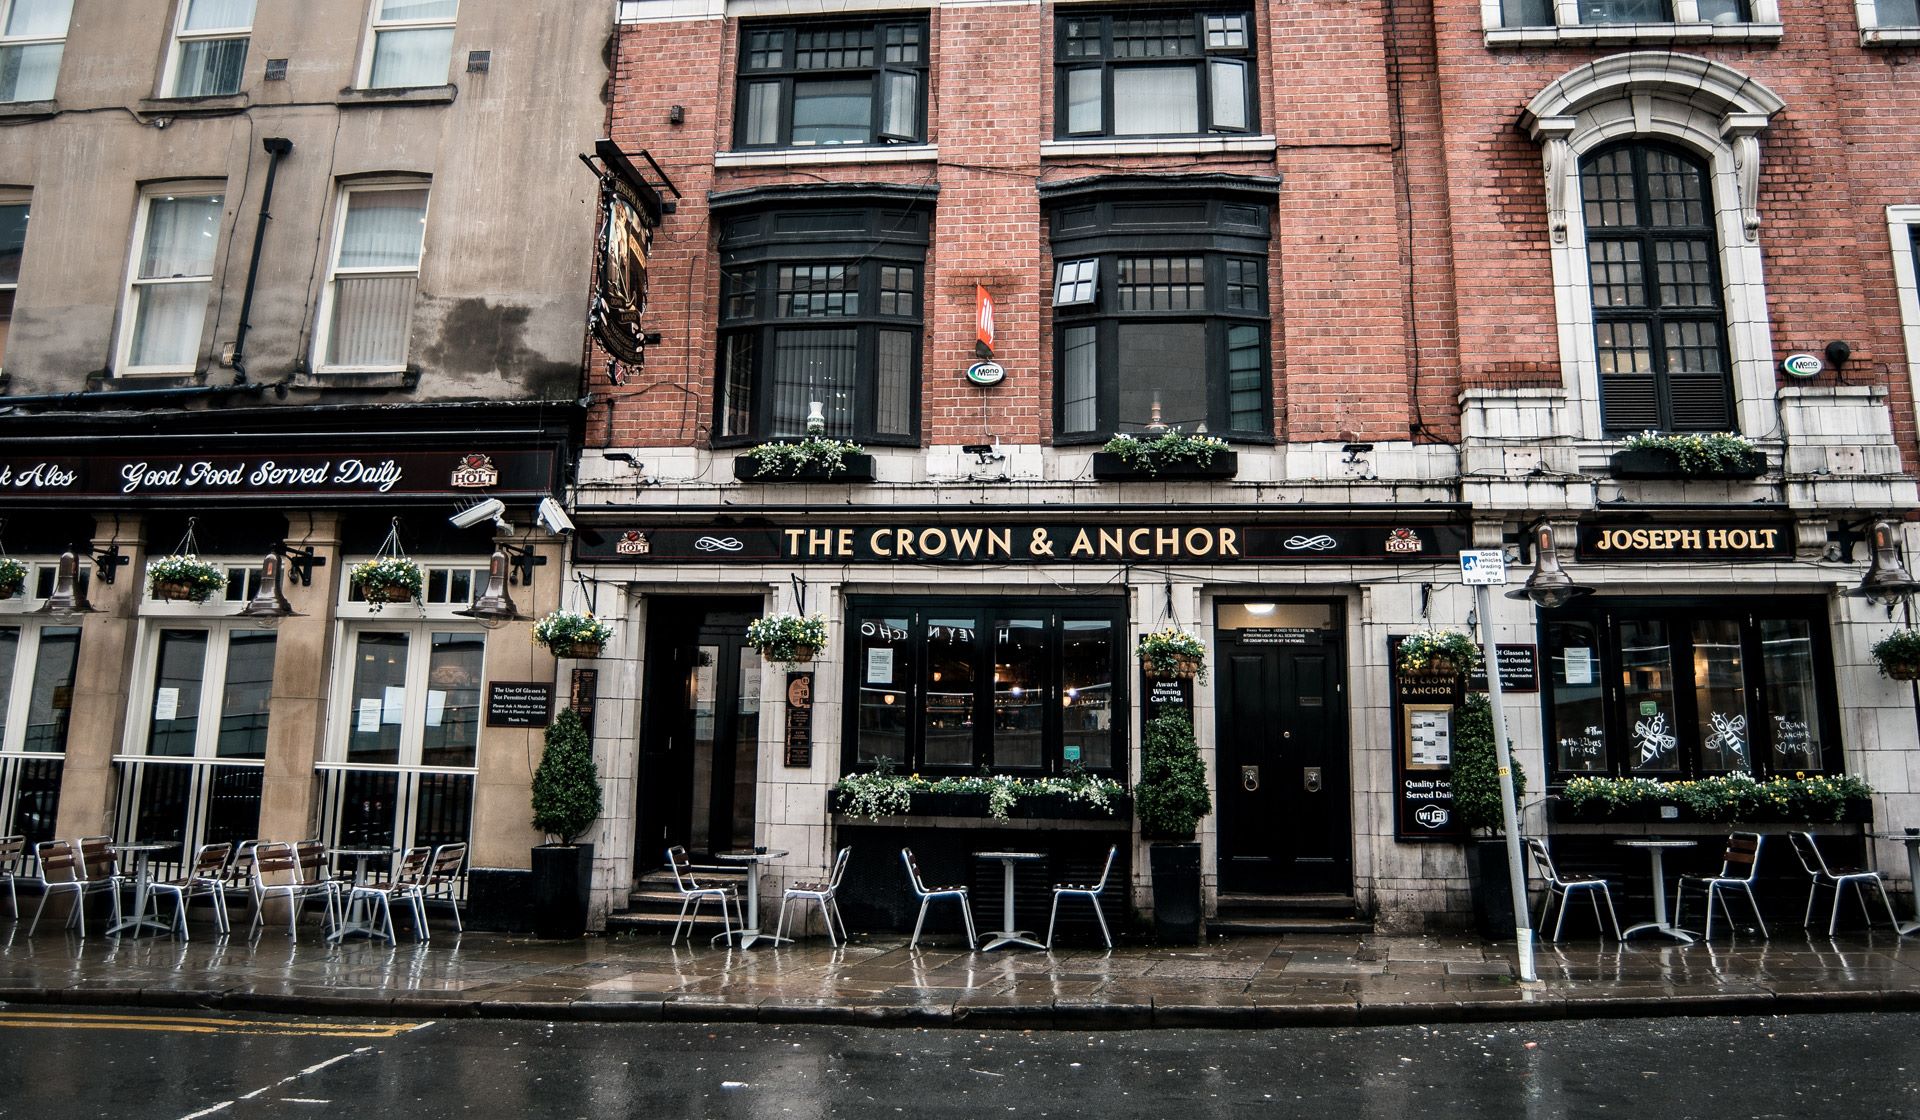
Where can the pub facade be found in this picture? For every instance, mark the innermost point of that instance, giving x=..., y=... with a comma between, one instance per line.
x=1406, y=284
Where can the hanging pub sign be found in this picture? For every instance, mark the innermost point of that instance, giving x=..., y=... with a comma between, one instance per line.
x=799, y=753
x=1720, y=540
x=630, y=210
x=1002, y=542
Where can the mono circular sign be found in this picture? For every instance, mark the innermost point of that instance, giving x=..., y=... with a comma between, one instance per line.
x=986, y=373
x=1802, y=365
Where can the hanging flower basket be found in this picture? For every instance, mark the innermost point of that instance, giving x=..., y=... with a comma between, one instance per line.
x=572, y=634
x=1172, y=653
x=185, y=578
x=387, y=579
x=788, y=637
x=1899, y=654
x=1437, y=654
x=13, y=577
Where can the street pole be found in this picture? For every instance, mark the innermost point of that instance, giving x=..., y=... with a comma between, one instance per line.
x=1509, y=809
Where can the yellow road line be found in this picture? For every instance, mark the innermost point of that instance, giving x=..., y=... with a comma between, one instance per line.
x=199, y=1025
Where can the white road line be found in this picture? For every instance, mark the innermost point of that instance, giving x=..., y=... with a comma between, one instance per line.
x=310, y=1070
x=208, y=1111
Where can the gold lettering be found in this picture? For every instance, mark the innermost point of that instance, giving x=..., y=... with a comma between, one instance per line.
x=1229, y=542
x=877, y=541
x=938, y=545
x=1133, y=541
x=794, y=537
x=1716, y=538
x=844, y=545
x=1199, y=542
x=1000, y=541
x=1110, y=543
x=1642, y=539
x=967, y=541
x=1166, y=541
x=1766, y=537
x=1081, y=546
x=818, y=541
x=1690, y=539
x=903, y=542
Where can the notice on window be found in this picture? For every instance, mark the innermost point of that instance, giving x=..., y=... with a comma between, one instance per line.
x=166, y=703
x=369, y=723
x=879, y=666
x=393, y=704
x=1579, y=666
x=1429, y=735
x=436, y=707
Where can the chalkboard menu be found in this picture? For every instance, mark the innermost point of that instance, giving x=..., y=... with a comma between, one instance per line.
x=799, y=754
x=519, y=703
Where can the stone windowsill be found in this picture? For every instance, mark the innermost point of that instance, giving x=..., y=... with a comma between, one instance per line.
x=1157, y=145
x=355, y=379
x=192, y=106
x=1611, y=33
x=416, y=95
x=796, y=157
x=1889, y=36
x=28, y=108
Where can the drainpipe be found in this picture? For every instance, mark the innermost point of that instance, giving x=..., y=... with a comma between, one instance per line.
x=277, y=147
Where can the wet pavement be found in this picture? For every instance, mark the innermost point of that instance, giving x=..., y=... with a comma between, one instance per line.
x=1244, y=982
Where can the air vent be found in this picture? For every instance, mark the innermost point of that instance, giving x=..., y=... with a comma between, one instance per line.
x=276, y=69
x=479, y=62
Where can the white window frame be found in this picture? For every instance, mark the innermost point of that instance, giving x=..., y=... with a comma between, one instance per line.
x=1874, y=34
x=213, y=676
x=323, y=314
x=1076, y=282
x=13, y=736
x=15, y=198
x=170, y=76
x=375, y=25
x=6, y=13
x=1687, y=26
x=123, y=344
x=1903, y=225
x=1659, y=95
x=341, y=714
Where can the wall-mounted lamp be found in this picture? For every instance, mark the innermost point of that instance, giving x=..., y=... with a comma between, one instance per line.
x=1838, y=352
x=269, y=604
x=1549, y=586
x=1886, y=579
x=494, y=608
x=69, y=599
x=106, y=560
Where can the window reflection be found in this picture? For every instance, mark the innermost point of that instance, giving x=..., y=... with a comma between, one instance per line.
x=379, y=698
x=1792, y=695
x=1019, y=692
x=1719, y=688
x=248, y=694
x=884, y=693
x=50, y=705
x=1646, y=680
x=175, y=715
x=1579, y=715
x=949, y=690
x=452, y=717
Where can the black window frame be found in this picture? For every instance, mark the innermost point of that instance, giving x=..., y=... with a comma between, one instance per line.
x=1605, y=613
x=989, y=610
x=1711, y=402
x=872, y=234
x=786, y=72
x=1107, y=62
x=1159, y=220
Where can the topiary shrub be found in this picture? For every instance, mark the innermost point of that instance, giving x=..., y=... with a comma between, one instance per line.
x=1476, y=766
x=566, y=787
x=1171, y=795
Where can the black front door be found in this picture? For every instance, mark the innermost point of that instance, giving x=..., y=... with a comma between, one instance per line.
x=700, y=728
x=1283, y=780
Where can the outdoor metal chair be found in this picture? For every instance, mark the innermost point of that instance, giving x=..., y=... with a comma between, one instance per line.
x=100, y=867
x=1563, y=886
x=13, y=849
x=206, y=876
x=237, y=878
x=927, y=894
x=1737, y=870
x=1091, y=892
x=693, y=894
x=1820, y=874
x=443, y=879
x=407, y=886
x=826, y=893
x=62, y=872
x=276, y=874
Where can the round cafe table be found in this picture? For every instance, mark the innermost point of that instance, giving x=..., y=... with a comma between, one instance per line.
x=751, y=933
x=1911, y=838
x=357, y=917
x=142, y=888
x=1655, y=847
x=1010, y=934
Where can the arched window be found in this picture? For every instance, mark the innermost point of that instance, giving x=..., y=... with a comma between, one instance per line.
x=1659, y=317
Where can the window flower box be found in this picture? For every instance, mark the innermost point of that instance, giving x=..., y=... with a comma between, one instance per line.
x=1722, y=799
x=808, y=460
x=1109, y=467
x=1172, y=455
x=1715, y=456
x=872, y=795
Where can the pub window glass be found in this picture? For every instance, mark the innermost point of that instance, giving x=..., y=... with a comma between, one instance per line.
x=9, y=657
x=1719, y=688
x=1579, y=705
x=452, y=716
x=246, y=695
x=50, y=707
x=1791, y=695
x=180, y=667
x=379, y=697
x=1646, y=679
x=1087, y=693
x=1021, y=670
x=882, y=662
x=949, y=688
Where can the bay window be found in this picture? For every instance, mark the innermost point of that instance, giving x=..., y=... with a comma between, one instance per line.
x=821, y=307
x=33, y=35
x=1154, y=72
x=170, y=280
x=366, y=311
x=959, y=685
x=1689, y=688
x=829, y=85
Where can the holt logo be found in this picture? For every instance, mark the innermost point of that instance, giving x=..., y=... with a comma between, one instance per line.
x=1403, y=541
x=475, y=472
x=632, y=543
x=1432, y=816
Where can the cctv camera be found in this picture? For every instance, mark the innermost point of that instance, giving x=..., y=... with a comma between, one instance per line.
x=491, y=509
x=553, y=517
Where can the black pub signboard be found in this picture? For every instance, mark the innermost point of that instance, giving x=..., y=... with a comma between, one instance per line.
x=519, y=703
x=1720, y=540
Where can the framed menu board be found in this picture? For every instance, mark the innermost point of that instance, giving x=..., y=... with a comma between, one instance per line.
x=1429, y=737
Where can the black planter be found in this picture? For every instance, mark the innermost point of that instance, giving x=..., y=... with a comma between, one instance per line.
x=1176, y=893
x=1111, y=468
x=562, y=879
x=1060, y=807
x=1658, y=462
x=497, y=899
x=857, y=468
x=1492, y=888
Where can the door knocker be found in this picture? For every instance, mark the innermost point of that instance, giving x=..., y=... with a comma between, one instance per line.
x=1250, y=778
